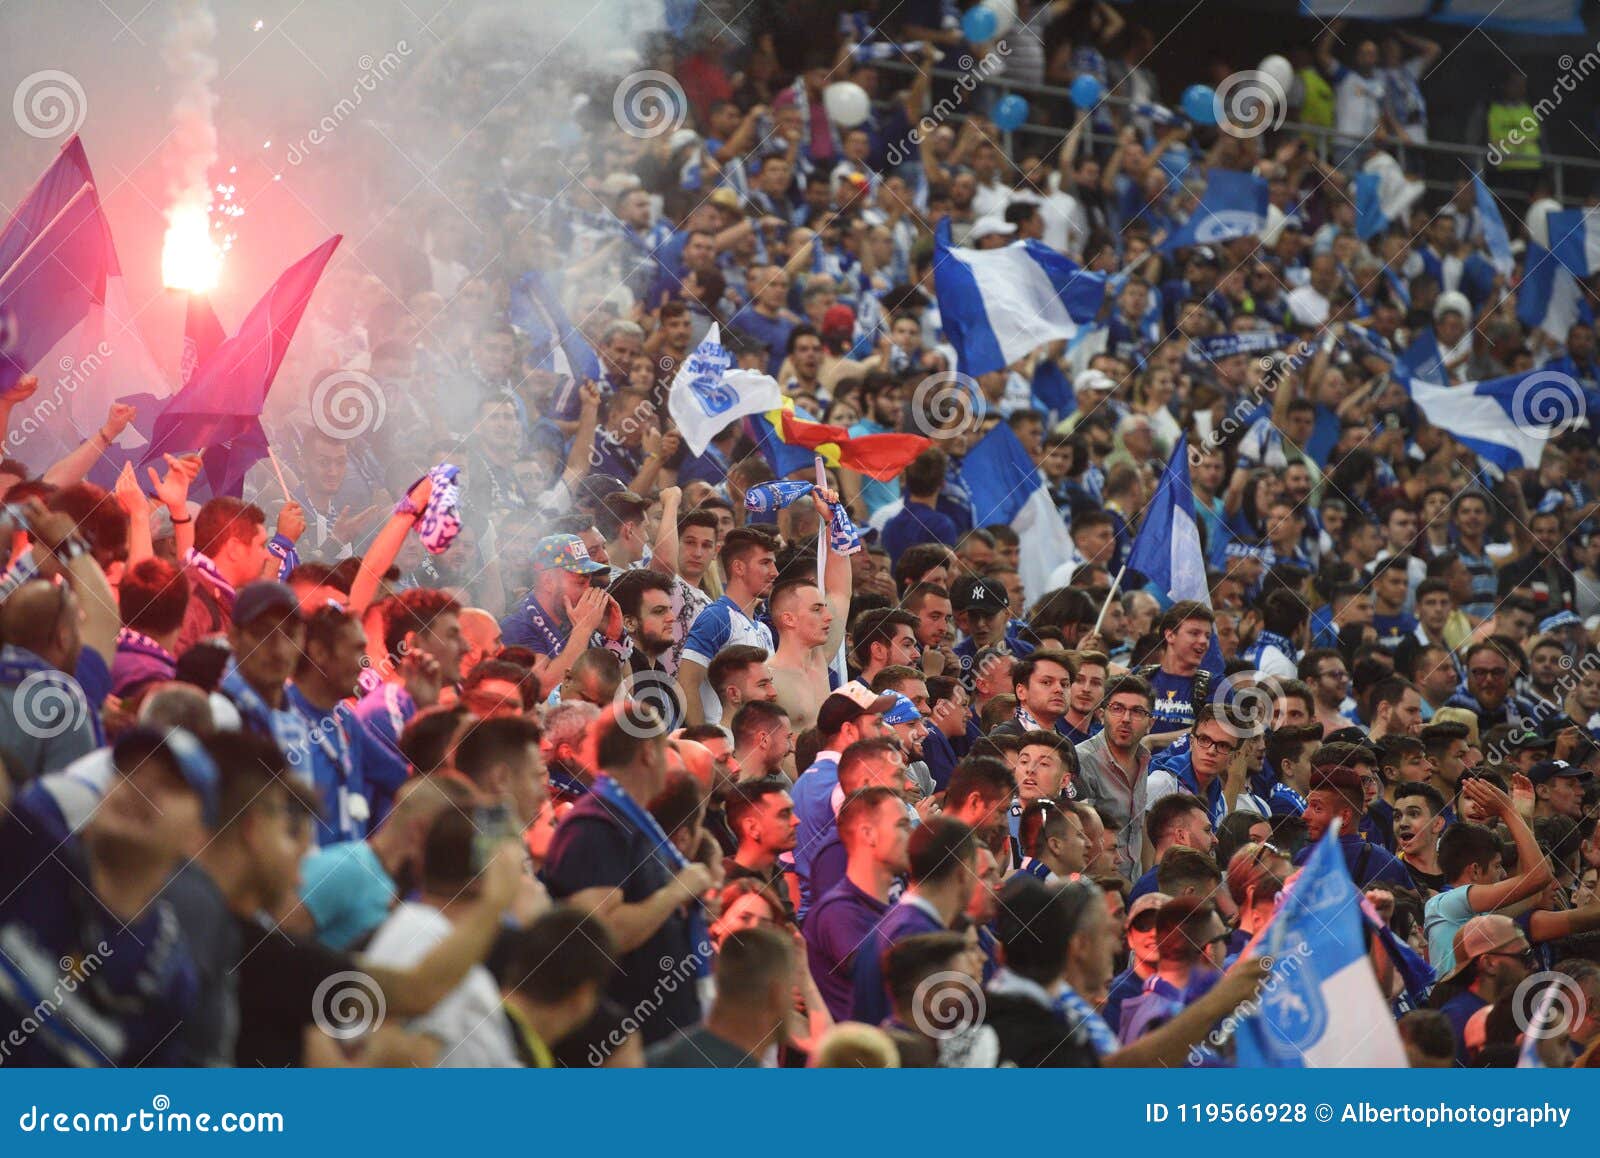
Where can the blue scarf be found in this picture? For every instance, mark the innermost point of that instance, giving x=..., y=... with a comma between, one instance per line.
x=1268, y=639
x=286, y=728
x=1071, y=1007
x=617, y=800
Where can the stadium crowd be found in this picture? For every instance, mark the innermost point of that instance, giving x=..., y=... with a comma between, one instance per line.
x=622, y=776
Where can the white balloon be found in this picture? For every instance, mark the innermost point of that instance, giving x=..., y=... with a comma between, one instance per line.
x=1279, y=69
x=1538, y=220
x=1005, y=14
x=847, y=104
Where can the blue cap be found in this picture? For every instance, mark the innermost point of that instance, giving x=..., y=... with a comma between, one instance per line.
x=193, y=762
x=1559, y=620
x=903, y=712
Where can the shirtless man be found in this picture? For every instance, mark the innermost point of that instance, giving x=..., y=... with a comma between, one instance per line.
x=810, y=626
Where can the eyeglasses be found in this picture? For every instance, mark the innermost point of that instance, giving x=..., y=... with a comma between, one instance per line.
x=1488, y=673
x=1117, y=711
x=1525, y=956
x=1207, y=744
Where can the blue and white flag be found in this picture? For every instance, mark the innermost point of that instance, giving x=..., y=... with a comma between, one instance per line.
x=1166, y=551
x=1384, y=195
x=1525, y=17
x=1005, y=487
x=1548, y=297
x=1422, y=359
x=1321, y=1008
x=1366, y=9
x=999, y=305
x=1505, y=421
x=1495, y=238
x=707, y=397
x=1575, y=239
x=555, y=344
x=1233, y=205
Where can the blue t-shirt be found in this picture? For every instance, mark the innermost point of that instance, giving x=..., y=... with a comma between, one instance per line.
x=813, y=808
x=1392, y=629
x=347, y=892
x=906, y=919
x=1459, y=1010
x=770, y=332
x=1123, y=986
x=915, y=524
x=721, y=625
x=1174, y=706
x=1145, y=884
x=835, y=930
x=1368, y=864
x=384, y=713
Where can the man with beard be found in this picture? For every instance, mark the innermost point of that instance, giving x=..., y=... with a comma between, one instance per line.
x=1336, y=774
x=1113, y=763
x=763, y=740
x=645, y=598
x=492, y=486
x=761, y=814
x=883, y=405
x=1488, y=692
x=560, y=616
x=1040, y=683
x=332, y=652
x=1179, y=683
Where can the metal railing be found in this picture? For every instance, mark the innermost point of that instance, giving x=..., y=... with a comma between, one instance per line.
x=1327, y=142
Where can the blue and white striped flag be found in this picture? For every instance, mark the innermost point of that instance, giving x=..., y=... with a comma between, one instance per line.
x=1548, y=298
x=1495, y=237
x=1505, y=421
x=1321, y=1008
x=1006, y=487
x=999, y=305
x=1575, y=239
x=1233, y=205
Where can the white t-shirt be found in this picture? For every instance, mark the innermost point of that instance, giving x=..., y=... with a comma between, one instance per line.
x=468, y=1022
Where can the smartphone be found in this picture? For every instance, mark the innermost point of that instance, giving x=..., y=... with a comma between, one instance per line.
x=494, y=824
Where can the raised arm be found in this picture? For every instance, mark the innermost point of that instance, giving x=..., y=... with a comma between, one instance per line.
x=1533, y=870
x=380, y=556
x=78, y=461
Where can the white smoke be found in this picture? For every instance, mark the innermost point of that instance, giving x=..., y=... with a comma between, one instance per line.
x=190, y=59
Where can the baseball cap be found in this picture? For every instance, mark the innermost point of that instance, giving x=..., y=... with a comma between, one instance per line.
x=989, y=227
x=1205, y=255
x=1547, y=770
x=852, y=701
x=974, y=593
x=1350, y=735
x=193, y=762
x=1530, y=741
x=725, y=198
x=838, y=319
x=1559, y=620
x=565, y=552
x=903, y=711
x=1485, y=933
x=258, y=599
x=1150, y=902
x=1094, y=380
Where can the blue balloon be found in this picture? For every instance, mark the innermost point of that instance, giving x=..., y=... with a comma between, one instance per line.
x=1086, y=91
x=1199, y=104
x=1010, y=112
x=979, y=24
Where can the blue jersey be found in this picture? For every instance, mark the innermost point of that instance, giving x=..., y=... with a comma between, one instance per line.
x=835, y=931
x=1174, y=702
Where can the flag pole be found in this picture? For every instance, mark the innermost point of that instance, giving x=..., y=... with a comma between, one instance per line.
x=277, y=468
x=1110, y=595
x=822, y=527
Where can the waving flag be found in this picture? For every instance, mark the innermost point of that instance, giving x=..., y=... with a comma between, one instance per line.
x=1525, y=17
x=557, y=346
x=81, y=332
x=878, y=456
x=220, y=409
x=1384, y=195
x=1422, y=360
x=1167, y=552
x=1366, y=9
x=999, y=305
x=1495, y=238
x=1505, y=421
x=202, y=334
x=1575, y=239
x=1321, y=1008
x=1233, y=205
x=707, y=397
x=1006, y=487
x=1548, y=297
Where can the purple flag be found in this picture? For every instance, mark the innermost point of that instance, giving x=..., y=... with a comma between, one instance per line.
x=220, y=408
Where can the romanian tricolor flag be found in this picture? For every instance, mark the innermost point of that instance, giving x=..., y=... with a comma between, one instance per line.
x=788, y=444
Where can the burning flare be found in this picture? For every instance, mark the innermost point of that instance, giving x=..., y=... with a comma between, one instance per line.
x=190, y=259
